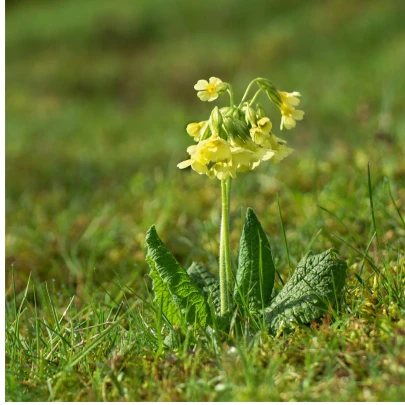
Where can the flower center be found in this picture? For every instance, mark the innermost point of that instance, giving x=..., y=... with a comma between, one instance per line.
x=211, y=89
x=287, y=110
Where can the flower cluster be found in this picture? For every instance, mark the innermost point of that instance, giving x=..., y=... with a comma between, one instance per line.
x=239, y=138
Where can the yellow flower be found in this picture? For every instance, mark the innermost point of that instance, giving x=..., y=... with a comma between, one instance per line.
x=222, y=170
x=245, y=159
x=278, y=146
x=259, y=137
x=265, y=124
x=196, y=166
x=290, y=99
x=260, y=132
x=268, y=154
x=213, y=149
x=281, y=154
x=289, y=115
x=242, y=160
x=193, y=129
x=208, y=91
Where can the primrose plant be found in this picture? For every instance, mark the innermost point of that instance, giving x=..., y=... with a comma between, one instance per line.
x=238, y=138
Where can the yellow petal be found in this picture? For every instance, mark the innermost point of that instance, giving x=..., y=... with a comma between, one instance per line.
x=184, y=164
x=281, y=154
x=290, y=99
x=204, y=96
x=268, y=154
x=199, y=168
x=192, y=149
x=201, y=85
x=193, y=129
x=298, y=114
x=288, y=122
x=265, y=124
x=215, y=81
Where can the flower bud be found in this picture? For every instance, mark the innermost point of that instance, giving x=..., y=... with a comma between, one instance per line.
x=250, y=116
x=238, y=114
x=237, y=131
x=225, y=111
x=270, y=90
x=274, y=96
x=266, y=84
x=261, y=113
x=228, y=111
x=241, y=129
x=228, y=125
x=205, y=131
x=216, y=121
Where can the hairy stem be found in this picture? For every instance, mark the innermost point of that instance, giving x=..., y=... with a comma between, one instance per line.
x=225, y=271
x=230, y=92
x=247, y=92
x=229, y=277
x=255, y=97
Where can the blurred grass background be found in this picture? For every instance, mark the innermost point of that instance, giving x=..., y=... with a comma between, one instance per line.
x=98, y=97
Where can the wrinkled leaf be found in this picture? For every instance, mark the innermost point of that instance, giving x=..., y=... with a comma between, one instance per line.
x=255, y=275
x=174, y=291
x=316, y=283
x=207, y=283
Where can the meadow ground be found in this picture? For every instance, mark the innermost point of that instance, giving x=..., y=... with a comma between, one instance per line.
x=98, y=97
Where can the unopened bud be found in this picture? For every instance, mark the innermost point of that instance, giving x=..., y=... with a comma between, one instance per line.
x=205, y=131
x=274, y=96
x=238, y=114
x=228, y=111
x=216, y=120
x=237, y=131
x=270, y=90
x=261, y=113
x=266, y=84
x=250, y=116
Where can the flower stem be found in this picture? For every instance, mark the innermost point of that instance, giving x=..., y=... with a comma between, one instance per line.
x=255, y=97
x=230, y=92
x=225, y=271
x=229, y=277
x=247, y=91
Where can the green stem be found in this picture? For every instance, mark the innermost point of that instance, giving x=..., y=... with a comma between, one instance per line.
x=224, y=251
x=229, y=276
x=255, y=97
x=247, y=91
x=230, y=92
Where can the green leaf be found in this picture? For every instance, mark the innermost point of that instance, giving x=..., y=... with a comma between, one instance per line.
x=316, y=283
x=174, y=291
x=207, y=283
x=255, y=275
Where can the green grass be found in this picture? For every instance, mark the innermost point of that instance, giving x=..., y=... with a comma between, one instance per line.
x=98, y=97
